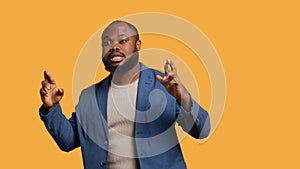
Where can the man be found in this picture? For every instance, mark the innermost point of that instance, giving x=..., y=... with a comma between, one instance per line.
x=128, y=119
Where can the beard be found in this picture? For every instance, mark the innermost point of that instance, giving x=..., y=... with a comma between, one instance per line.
x=127, y=65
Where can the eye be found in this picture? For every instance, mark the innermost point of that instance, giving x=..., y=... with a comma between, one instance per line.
x=106, y=43
x=122, y=41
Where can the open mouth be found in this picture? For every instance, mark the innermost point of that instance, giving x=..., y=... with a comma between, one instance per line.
x=116, y=57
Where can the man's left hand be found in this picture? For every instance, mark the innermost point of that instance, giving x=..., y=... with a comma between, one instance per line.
x=173, y=85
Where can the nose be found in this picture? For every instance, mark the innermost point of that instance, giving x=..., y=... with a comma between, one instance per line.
x=115, y=47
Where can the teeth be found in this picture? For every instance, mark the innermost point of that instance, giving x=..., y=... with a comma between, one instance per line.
x=116, y=58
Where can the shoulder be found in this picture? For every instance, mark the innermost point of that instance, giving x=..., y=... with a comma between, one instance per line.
x=146, y=71
x=103, y=83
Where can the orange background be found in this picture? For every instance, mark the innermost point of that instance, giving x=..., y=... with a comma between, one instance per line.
x=258, y=44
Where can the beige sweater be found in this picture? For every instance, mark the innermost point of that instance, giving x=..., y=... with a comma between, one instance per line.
x=121, y=115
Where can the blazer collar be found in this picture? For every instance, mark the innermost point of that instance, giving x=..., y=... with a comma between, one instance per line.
x=146, y=80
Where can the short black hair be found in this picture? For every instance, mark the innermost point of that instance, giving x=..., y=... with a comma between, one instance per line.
x=137, y=37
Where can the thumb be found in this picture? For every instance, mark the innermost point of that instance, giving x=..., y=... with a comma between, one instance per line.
x=160, y=79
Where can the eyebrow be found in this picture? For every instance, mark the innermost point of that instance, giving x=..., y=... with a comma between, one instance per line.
x=120, y=35
x=123, y=34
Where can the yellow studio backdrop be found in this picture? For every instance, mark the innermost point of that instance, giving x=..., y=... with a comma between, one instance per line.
x=257, y=42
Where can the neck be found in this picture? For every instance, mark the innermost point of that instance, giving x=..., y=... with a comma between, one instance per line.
x=126, y=77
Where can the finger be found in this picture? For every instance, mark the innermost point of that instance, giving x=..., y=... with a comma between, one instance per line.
x=43, y=93
x=170, y=75
x=45, y=84
x=161, y=80
x=172, y=65
x=49, y=77
x=166, y=68
x=60, y=91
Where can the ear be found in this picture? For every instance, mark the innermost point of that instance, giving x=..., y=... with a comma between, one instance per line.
x=138, y=44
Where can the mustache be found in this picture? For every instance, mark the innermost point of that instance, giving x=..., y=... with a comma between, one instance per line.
x=115, y=54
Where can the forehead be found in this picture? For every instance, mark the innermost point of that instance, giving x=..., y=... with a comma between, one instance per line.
x=118, y=29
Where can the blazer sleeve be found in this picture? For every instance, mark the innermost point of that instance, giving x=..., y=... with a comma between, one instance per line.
x=195, y=122
x=63, y=130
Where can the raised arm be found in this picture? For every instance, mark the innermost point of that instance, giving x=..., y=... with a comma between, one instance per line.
x=63, y=131
x=191, y=117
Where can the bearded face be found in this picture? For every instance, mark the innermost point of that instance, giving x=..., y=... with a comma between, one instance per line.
x=120, y=47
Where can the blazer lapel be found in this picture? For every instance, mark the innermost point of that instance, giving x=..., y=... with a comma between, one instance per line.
x=142, y=100
x=102, y=96
x=144, y=87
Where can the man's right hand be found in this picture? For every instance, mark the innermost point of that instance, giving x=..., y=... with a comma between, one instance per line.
x=50, y=93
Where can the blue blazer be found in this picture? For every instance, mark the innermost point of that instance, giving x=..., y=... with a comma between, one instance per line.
x=156, y=113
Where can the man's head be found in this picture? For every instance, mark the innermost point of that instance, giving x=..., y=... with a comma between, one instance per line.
x=120, y=46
